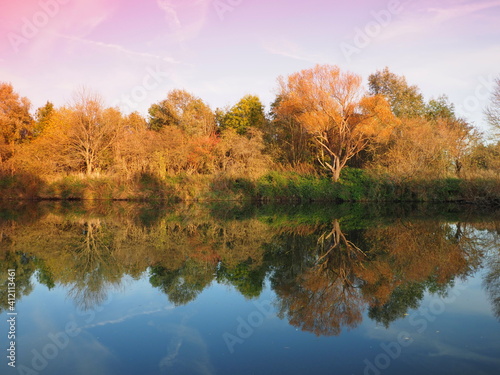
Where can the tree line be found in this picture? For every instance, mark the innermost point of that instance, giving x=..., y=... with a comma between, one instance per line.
x=321, y=121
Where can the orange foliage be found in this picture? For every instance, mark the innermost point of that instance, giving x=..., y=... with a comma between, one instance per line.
x=333, y=108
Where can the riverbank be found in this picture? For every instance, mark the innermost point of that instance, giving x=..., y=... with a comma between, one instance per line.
x=354, y=186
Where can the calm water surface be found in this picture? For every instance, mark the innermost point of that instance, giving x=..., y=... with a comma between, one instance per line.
x=135, y=289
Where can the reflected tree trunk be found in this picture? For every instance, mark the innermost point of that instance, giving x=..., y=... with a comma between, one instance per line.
x=338, y=254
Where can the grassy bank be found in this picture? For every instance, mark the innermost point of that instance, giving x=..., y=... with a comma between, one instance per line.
x=357, y=186
x=354, y=186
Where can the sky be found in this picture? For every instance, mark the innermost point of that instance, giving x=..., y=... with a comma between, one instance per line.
x=134, y=52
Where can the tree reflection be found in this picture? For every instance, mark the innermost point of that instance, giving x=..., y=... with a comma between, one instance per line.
x=418, y=257
x=492, y=283
x=25, y=268
x=389, y=276
x=326, y=272
x=404, y=297
x=246, y=277
x=325, y=297
x=95, y=269
x=183, y=284
x=492, y=279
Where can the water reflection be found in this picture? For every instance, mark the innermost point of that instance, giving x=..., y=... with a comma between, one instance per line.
x=492, y=261
x=325, y=268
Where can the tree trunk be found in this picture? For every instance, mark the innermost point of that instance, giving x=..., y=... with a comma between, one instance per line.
x=458, y=167
x=336, y=168
x=89, y=166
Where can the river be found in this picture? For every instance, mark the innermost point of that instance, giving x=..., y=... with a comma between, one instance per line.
x=128, y=288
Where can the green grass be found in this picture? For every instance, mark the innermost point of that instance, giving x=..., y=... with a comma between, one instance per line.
x=355, y=185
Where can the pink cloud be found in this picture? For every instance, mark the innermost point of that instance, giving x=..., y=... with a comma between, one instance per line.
x=30, y=26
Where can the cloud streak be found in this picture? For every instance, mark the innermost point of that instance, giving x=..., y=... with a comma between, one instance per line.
x=462, y=10
x=118, y=48
x=126, y=317
x=287, y=48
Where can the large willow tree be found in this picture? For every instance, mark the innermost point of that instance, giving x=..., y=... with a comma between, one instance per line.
x=333, y=107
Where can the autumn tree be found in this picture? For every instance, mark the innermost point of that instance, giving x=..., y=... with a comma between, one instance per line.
x=93, y=131
x=48, y=153
x=185, y=111
x=432, y=140
x=187, y=126
x=16, y=123
x=336, y=112
x=426, y=149
x=134, y=122
x=440, y=108
x=161, y=115
x=135, y=148
x=460, y=138
x=43, y=116
x=241, y=155
x=485, y=158
x=457, y=136
x=413, y=152
x=77, y=138
x=287, y=140
x=246, y=114
x=405, y=100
